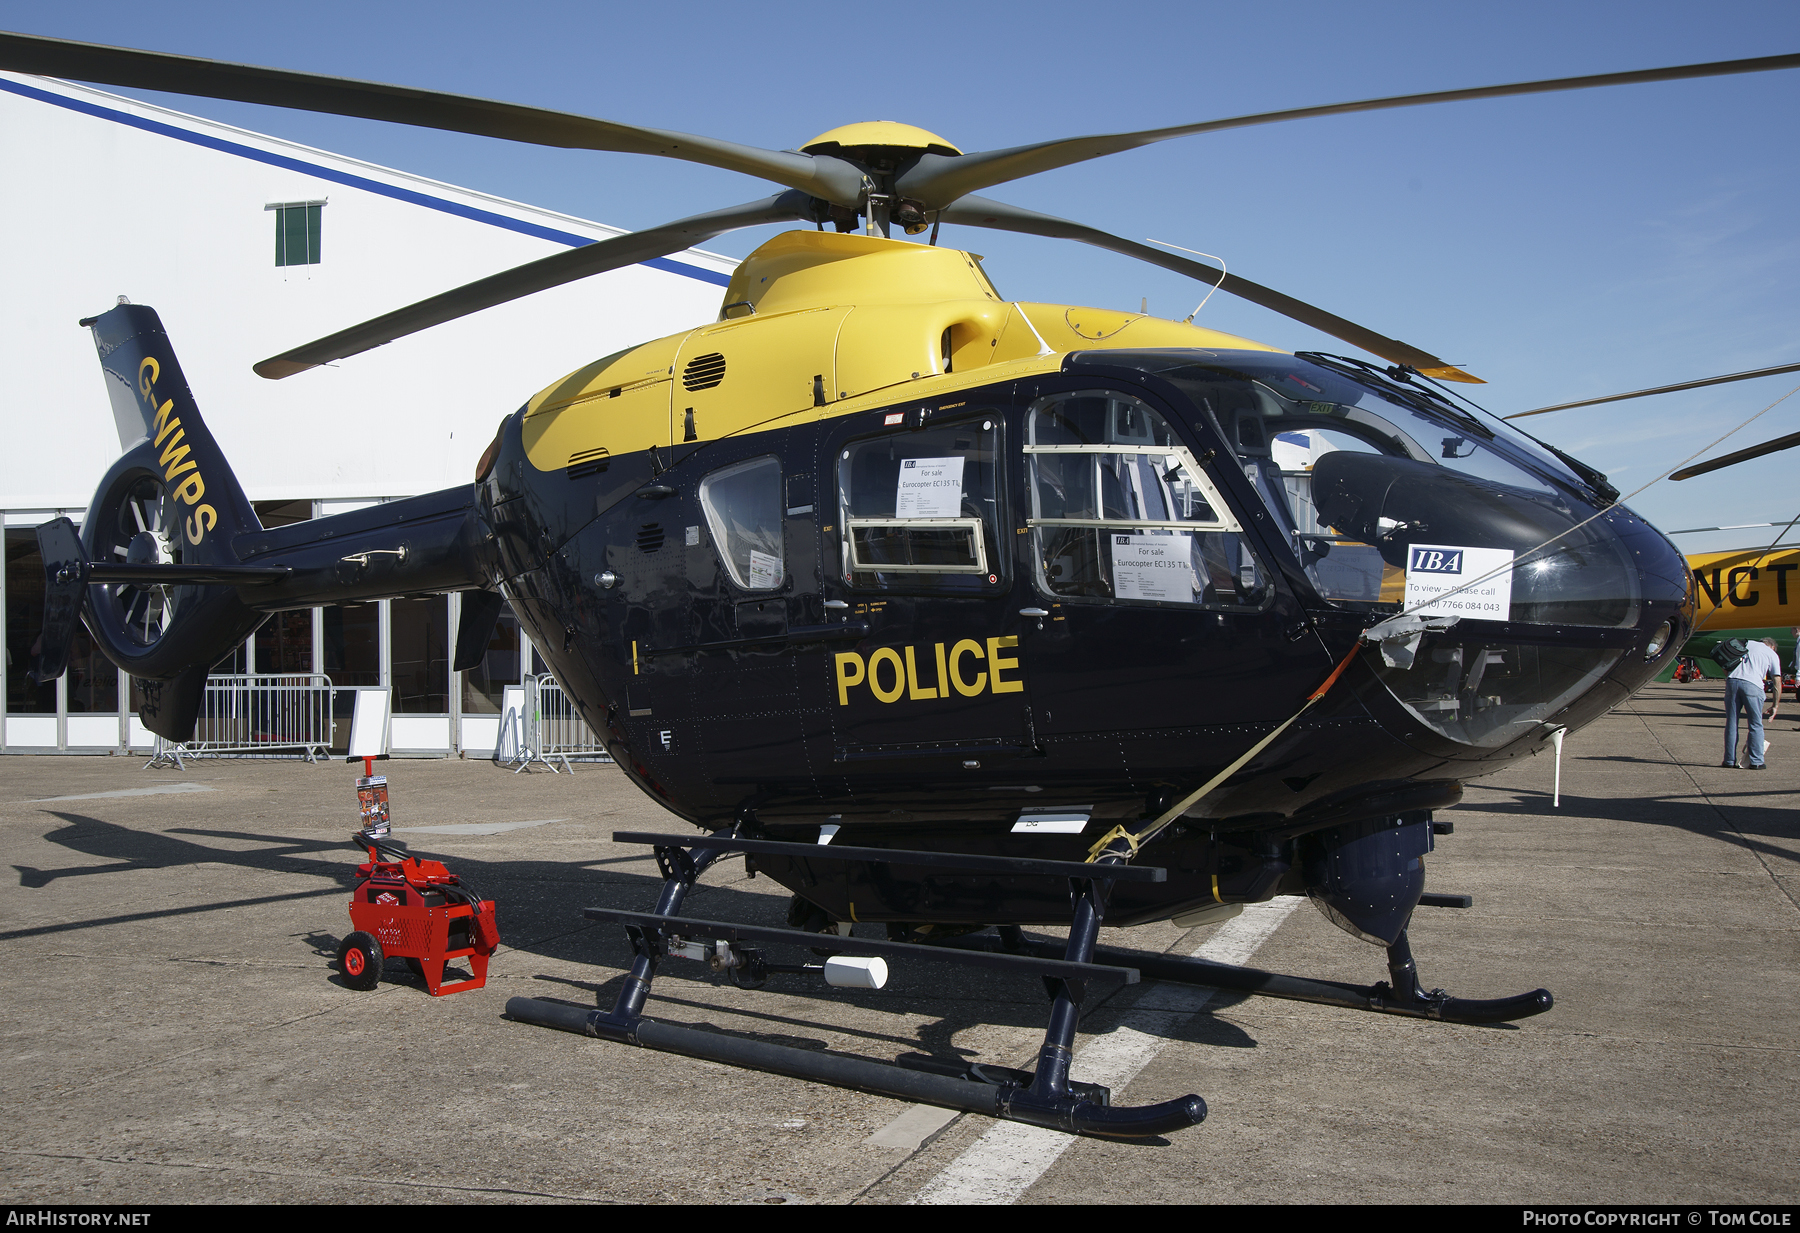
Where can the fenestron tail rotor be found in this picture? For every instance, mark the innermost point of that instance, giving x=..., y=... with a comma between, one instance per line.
x=139, y=533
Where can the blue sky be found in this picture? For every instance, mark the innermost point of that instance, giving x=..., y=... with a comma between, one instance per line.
x=1560, y=246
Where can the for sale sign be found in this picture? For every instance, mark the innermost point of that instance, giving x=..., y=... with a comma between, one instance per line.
x=929, y=488
x=1434, y=570
x=1154, y=567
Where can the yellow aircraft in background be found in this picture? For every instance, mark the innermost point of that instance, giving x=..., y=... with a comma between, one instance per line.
x=1748, y=588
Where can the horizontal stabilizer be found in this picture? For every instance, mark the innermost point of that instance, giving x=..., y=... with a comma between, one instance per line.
x=189, y=575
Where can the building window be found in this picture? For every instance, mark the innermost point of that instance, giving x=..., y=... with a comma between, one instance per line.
x=25, y=627
x=93, y=679
x=284, y=644
x=353, y=644
x=297, y=231
x=484, y=686
x=419, y=631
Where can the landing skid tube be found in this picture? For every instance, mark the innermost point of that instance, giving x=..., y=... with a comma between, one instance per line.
x=1044, y=1097
x=1402, y=997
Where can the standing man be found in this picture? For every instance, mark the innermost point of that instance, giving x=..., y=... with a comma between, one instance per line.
x=1744, y=690
x=1772, y=696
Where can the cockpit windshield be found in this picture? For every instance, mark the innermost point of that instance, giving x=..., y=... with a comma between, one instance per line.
x=1390, y=499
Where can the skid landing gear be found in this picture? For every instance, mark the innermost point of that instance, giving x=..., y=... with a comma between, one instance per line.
x=1403, y=996
x=1044, y=1097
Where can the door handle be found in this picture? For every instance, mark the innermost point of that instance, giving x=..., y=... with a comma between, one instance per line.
x=1034, y=612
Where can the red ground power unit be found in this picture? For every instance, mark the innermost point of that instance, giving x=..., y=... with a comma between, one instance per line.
x=417, y=910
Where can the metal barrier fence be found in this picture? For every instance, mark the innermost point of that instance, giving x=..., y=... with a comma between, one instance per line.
x=257, y=715
x=550, y=728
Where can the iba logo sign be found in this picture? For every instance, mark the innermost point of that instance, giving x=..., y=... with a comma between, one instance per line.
x=1435, y=560
x=1455, y=580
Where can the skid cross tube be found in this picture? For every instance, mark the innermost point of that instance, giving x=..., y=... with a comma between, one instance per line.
x=1404, y=997
x=1046, y=1097
x=837, y=944
x=967, y=862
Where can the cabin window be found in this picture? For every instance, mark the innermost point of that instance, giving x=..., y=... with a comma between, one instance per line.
x=743, y=508
x=920, y=507
x=1121, y=510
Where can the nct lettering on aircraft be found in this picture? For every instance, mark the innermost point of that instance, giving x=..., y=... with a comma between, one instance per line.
x=1734, y=589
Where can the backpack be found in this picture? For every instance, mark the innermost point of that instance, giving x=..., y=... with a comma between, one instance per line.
x=1728, y=653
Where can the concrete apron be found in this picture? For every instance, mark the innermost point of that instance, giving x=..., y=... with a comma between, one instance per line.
x=175, y=1032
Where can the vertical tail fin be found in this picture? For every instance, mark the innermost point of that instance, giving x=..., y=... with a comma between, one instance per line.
x=170, y=500
x=169, y=450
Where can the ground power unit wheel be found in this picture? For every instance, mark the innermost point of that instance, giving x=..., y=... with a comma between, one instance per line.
x=360, y=959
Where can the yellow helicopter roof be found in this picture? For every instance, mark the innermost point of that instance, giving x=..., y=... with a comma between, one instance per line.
x=817, y=324
x=880, y=133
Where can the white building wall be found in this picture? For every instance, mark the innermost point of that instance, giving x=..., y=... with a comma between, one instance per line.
x=98, y=205
x=106, y=196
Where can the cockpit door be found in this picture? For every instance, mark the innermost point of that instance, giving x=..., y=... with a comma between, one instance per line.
x=1161, y=613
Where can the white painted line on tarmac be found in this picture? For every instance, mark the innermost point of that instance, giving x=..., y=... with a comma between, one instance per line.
x=474, y=828
x=909, y=1131
x=1001, y=1165
x=158, y=790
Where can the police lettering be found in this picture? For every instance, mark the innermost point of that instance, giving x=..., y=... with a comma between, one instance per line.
x=891, y=673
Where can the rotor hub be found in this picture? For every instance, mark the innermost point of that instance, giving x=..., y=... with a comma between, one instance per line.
x=149, y=548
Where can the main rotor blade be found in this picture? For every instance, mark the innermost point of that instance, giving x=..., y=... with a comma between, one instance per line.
x=246, y=83
x=940, y=179
x=981, y=212
x=541, y=275
x=1661, y=389
x=1744, y=455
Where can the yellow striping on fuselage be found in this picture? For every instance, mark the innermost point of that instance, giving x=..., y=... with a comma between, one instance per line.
x=818, y=324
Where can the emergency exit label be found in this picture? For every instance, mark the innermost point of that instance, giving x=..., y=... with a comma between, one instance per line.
x=1434, y=570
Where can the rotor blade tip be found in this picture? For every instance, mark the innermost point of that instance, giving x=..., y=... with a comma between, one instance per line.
x=1447, y=373
x=277, y=368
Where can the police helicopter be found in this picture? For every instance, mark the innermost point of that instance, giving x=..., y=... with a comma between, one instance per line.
x=943, y=611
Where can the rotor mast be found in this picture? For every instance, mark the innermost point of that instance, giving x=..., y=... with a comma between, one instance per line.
x=884, y=151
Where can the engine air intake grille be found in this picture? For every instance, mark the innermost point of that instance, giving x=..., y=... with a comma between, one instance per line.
x=650, y=537
x=587, y=462
x=703, y=372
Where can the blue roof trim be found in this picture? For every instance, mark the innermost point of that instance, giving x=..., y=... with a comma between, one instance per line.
x=410, y=196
